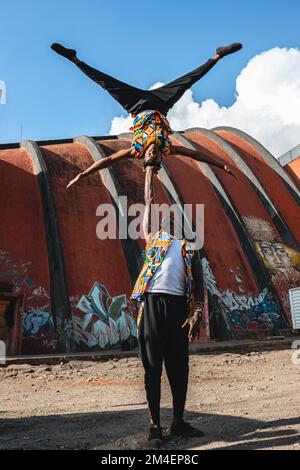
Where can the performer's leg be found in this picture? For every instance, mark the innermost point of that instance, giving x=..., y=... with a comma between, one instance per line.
x=125, y=94
x=176, y=354
x=169, y=94
x=150, y=347
x=135, y=100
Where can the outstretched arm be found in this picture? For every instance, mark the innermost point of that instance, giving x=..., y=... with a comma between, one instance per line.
x=101, y=164
x=149, y=200
x=201, y=156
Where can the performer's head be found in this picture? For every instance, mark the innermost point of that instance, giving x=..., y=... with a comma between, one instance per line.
x=153, y=154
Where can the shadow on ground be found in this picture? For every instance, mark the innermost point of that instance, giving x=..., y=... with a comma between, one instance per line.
x=126, y=430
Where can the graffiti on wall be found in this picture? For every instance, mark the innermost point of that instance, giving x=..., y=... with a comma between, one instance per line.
x=281, y=260
x=102, y=321
x=37, y=323
x=15, y=273
x=99, y=320
x=242, y=312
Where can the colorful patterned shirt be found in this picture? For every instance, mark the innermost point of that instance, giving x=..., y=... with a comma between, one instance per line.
x=151, y=127
x=156, y=251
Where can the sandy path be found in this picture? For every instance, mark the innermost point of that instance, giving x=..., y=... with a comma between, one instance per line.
x=240, y=401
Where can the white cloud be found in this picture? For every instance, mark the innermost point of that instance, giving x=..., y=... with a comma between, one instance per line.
x=156, y=85
x=266, y=106
x=120, y=124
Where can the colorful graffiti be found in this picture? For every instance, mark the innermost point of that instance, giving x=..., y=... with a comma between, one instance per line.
x=99, y=320
x=242, y=312
x=15, y=273
x=37, y=323
x=250, y=313
x=102, y=321
x=281, y=260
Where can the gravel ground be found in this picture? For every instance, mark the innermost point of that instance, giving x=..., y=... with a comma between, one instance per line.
x=240, y=401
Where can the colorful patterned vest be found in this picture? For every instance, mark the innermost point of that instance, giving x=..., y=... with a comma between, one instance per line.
x=156, y=251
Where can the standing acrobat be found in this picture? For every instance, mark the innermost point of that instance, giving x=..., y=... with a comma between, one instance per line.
x=149, y=108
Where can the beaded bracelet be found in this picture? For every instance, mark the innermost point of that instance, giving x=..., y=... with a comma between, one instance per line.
x=198, y=309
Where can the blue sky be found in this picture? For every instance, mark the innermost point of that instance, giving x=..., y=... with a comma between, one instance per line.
x=139, y=42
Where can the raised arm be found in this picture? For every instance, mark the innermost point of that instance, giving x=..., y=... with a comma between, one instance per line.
x=149, y=200
x=202, y=155
x=101, y=164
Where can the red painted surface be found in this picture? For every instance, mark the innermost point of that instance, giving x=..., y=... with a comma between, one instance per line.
x=293, y=169
x=200, y=191
x=247, y=205
x=130, y=172
x=242, y=195
x=270, y=180
x=221, y=243
x=87, y=258
x=22, y=237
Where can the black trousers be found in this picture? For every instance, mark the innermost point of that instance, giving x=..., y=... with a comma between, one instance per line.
x=161, y=338
x=135, y=100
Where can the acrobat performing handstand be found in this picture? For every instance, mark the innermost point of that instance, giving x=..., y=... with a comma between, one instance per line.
x=149, y=108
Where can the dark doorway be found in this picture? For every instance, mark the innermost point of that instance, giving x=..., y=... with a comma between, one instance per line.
x=11, y=304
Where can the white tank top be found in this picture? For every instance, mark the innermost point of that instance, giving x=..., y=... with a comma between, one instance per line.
x=169, y=278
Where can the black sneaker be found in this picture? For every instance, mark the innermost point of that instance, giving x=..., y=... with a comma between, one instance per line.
x=225, y=50
x=155, y=436
x=61, y=50
x=184, y=429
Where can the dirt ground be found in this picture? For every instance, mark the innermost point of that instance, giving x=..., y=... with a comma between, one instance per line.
x=240, y=401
